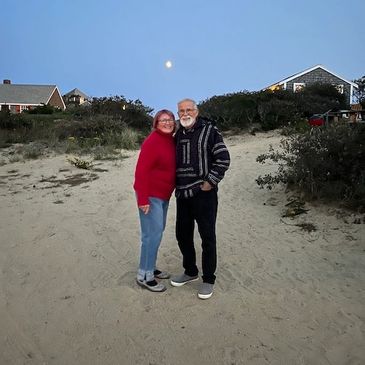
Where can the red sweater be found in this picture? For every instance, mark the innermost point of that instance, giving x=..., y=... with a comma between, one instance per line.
x=156, y=168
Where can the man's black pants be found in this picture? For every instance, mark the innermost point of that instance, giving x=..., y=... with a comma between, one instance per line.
x=201, y=208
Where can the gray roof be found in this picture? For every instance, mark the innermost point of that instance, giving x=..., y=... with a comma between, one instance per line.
x=76, y=92
x=25, y=94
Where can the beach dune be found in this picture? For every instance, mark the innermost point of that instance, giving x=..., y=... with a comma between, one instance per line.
x=288, y=290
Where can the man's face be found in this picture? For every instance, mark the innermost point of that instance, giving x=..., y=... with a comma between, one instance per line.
x=187, y=113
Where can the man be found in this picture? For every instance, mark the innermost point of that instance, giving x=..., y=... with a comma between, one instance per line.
x=202, y=159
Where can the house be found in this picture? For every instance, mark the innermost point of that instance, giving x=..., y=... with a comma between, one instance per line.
x=313, y=75
x=17, y=97
x=76, y=97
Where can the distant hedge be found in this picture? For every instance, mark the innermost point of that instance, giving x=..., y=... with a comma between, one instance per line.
x=106, y=121
x=270, y=110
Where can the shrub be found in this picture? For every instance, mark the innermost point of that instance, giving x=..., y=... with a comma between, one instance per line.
x=270, y=109
x=127, y=138
x=98, y=131
x=33, y=150
x=230, y=111
x=79, y=163
x=128, y=112
x=318, y=99
x=43, y=109
x=325, y=163
x=10, y=121
x=276, y=113
x=300, y=126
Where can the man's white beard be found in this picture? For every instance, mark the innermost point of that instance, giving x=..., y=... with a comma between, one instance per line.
x=187, y=122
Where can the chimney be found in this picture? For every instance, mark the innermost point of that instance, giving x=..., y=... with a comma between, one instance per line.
x=7, y=82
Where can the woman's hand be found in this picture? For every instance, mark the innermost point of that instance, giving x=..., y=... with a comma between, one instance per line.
x=145, y=208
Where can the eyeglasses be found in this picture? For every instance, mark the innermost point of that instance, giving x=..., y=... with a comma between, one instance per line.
x=166, y=121
x=187, y=111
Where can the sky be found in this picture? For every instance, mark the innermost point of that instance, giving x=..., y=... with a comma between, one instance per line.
x=119, y=47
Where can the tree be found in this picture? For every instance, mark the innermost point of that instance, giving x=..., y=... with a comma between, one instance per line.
x=319, y=98
x=129, y=112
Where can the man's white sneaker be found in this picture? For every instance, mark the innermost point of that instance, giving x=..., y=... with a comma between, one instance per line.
x=182, y=279
x=205, y=291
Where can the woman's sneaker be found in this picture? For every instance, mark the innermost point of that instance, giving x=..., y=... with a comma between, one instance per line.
x=152, y=285
x=161, y=274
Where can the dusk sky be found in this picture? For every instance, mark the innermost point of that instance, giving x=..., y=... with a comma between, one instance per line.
x=116, y=47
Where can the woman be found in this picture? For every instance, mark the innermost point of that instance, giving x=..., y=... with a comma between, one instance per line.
x=154, y=184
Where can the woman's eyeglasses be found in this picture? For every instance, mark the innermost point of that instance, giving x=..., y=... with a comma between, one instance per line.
x=166, y=121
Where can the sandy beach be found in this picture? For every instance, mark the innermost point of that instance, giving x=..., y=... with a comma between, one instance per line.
x=69, y=249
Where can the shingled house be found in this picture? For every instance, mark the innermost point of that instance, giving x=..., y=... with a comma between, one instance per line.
x=17, y=97
x=313, y=75
x=76, y=97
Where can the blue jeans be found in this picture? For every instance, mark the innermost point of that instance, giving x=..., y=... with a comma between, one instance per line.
x=152, y=227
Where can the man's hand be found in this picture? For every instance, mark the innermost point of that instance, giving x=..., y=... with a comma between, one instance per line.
x=206, y=186
x=145, y=208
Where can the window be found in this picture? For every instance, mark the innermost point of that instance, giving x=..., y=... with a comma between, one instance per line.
x=339, y=88
x=298, y=86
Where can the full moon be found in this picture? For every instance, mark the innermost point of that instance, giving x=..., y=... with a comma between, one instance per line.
x=168, y=64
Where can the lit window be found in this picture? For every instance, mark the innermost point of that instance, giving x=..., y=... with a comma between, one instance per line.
x=298, y=86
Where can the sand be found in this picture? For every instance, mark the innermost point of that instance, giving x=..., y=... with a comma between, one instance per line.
x=69, y=249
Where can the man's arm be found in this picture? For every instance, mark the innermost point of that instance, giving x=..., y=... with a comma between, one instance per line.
x=220, y=159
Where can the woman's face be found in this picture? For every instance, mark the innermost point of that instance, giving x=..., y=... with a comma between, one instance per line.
x=165, y=124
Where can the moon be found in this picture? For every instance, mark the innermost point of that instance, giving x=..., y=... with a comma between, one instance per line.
x=168, y=64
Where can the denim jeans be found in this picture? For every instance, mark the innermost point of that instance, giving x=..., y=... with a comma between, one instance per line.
x=152, y=227
x=201, y=208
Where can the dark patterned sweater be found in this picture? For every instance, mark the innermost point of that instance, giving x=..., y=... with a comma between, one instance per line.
x=201, y=155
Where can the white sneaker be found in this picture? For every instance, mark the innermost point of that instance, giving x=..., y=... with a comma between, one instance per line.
x=182, y=279
x=205, y=291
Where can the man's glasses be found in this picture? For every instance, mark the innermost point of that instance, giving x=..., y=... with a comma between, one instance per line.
x=187, y=111
x=166, y=121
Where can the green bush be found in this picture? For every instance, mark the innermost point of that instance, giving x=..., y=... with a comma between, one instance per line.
x=230, y=111
x=98, y=131
x=275, y=111
x=301, y=125
x=10, y=121
x=271, y=110
x=43, y=109
x=324, y=163
x=318, y=99
x=127, y=112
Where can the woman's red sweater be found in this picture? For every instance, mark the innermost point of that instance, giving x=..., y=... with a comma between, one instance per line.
x=156, y=168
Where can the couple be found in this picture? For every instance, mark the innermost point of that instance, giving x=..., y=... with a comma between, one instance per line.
x=195, y=159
